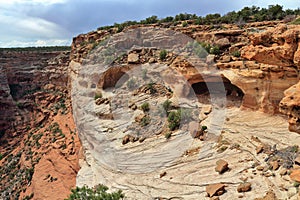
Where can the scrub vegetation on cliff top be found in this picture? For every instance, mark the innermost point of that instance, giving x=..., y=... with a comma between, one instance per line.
x=247, y=14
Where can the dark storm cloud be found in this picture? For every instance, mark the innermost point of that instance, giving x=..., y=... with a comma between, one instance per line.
x=81, y=16
x=55, y=22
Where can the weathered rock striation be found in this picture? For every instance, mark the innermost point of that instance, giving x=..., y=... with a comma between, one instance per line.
x=38, y=143
x=123, y=150
x=24, y=73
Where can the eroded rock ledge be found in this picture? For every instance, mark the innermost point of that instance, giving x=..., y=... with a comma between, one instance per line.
x=290, y=105
x=259, y=81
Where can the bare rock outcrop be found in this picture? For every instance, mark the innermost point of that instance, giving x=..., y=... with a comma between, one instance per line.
x=276, y=46
x=268, y=67
x=22, y=74
x=39, y=146
x=253, y=83
x=290, y=105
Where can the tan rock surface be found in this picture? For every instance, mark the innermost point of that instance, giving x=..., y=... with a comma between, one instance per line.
x=215, y=189
x=262, y=83
x=222, y=166
x=244, y=187
x=289, y=105
x=295, y=175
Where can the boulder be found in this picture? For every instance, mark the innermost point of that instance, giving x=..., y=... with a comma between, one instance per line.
x=222, y=166
x=215, y=189
x=222, y=43
x=259, y=149
x=126, y=139
x=194, y=129
x=275, y=165
x=244, y=187
x=133, y=58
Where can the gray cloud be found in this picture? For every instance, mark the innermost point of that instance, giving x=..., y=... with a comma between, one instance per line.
x=63, y=19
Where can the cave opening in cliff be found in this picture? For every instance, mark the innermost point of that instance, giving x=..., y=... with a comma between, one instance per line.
x=113, y=76
x=234, y=95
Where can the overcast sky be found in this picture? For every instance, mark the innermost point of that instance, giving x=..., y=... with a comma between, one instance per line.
x=55, y=22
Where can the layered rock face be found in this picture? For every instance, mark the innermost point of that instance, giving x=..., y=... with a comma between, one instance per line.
x=268, y=64
x=290, y=105
x=38, y=142
x=278, y=52
x=24, y=73
x=127, y=147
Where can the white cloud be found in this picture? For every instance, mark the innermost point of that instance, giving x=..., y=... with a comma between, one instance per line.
x=50, y=42
x=40, y=27
x=45, y=2
x=20, y=29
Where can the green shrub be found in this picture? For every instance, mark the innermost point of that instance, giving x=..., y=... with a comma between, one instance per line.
x=214, y=50
x=97, y=193
x=163, y=54
x=199, y=48
x=145, y=121
x=236, y=54
x=167, y=105
x=150, y=86
x=184, y=24
x=168, y=135
x=98, y=95
x=20, y=105
x=174, y=119
x=145, y=107
x=206, y=46
x=204, y=128
x=29, y=173
x=1, y=156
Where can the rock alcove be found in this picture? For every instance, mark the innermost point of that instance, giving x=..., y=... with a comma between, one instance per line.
x=203, y=89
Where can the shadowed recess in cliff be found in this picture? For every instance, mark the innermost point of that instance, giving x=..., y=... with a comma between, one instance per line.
x=234, y=94
x=110, y=78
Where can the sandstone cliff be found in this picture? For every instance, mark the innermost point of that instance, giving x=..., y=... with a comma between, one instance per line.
x=39, y=146
x=237, y=95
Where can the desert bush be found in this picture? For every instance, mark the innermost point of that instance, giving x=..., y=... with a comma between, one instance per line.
x=145, y=121
x=167, y=105
x=145, y=107
x=163, y=54
x=236, y=53
x=214, y=50
x=174, y=119
x=150, y=86
x=98, y=95
x=97, y=193
x=150, y=20
x=168, y=135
